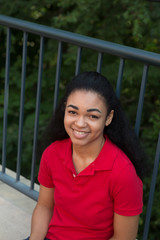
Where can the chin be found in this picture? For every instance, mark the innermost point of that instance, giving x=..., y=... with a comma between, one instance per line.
x=80, y=142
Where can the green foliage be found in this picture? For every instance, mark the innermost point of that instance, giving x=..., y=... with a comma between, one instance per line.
x=132, y=23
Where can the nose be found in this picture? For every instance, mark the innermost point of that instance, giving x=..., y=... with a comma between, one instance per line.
x=80, y=121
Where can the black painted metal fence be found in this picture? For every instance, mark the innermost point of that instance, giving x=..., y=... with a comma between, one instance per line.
x=99, y=46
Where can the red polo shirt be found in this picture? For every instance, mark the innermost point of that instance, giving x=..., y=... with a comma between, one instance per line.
x=85, y=203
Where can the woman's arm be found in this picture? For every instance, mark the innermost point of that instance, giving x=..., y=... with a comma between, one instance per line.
x=42, y=213
x=125, y=227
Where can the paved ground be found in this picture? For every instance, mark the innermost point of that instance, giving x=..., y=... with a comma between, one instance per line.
x=15, y=213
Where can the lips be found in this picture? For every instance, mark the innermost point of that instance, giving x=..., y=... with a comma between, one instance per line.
x=80, y=134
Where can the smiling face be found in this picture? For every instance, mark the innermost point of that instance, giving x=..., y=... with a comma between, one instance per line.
x=85, y=118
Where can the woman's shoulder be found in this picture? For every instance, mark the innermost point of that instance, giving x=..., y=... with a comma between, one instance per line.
x=123, y=174
x=58, y=146
x=120, y=158
x=121, y=161
x=123, y=171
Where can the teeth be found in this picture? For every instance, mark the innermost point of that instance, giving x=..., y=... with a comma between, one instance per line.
x=79, y=133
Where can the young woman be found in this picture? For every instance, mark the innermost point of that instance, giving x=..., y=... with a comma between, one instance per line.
x=90, y=176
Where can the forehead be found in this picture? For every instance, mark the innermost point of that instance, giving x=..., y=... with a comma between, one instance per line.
x=86, y=97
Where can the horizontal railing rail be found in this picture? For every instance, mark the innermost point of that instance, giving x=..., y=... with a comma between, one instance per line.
x=20, y=186
x=82, y=41
x=101, y=47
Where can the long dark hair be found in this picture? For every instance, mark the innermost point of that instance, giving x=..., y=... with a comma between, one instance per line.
x=119, y=131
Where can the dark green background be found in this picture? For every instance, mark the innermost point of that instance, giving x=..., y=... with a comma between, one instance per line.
x=132, y=23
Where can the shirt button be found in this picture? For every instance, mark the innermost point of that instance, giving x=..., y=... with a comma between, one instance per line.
x=74, y=175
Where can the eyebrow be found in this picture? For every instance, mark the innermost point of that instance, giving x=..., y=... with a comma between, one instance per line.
x=93, y=110
x=73, y=106
x=88, y=110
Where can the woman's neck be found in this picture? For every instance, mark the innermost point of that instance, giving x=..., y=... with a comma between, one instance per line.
x=83, y=156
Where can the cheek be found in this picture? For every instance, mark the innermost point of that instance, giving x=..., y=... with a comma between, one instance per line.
x=65, y=120
x=102, y=125
x=99, y=126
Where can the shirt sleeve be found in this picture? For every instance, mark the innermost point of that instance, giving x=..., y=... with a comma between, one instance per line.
x=128, y=193
x=45, y=173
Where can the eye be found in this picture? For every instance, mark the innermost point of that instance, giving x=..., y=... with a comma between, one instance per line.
x=72, y=112
x=94, y=117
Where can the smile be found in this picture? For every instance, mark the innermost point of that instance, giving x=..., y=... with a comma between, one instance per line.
x=80, y=133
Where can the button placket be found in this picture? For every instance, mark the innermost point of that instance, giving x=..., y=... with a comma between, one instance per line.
x=74, y=175
x=75, y=181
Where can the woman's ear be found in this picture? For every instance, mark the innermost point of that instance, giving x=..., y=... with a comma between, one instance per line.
x=109, y=118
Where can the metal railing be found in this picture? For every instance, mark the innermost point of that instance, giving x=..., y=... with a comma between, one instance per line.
x=99, y=46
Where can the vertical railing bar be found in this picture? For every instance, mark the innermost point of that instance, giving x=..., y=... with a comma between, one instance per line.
x=6, y=95
x=141, y=99
x=152, y=190
x=78, y=61
x=58, y=71
x=23, y=79
x=36, y=125
x=120, y=76
x=99, y=62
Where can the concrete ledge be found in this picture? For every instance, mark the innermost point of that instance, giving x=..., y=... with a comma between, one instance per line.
x=15, y=211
